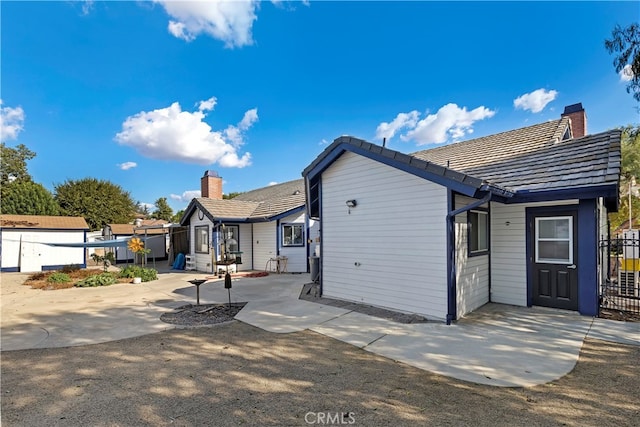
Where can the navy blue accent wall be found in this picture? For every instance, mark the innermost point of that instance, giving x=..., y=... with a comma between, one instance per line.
x=278, y=237
x=451, y=267
x=588, y=257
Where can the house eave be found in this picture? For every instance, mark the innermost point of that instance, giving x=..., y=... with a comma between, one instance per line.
x=607, y=191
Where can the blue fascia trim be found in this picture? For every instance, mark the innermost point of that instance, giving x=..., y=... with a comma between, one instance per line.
x=588, y=257
x=466, y=189
x=606, y=191
x=10, y=269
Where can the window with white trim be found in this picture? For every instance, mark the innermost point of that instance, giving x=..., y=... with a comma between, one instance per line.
x=554, y=240
x=202, y=239
x=478, y=232
x=292, y=235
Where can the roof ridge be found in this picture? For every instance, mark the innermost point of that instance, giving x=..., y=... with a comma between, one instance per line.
x=491, y=136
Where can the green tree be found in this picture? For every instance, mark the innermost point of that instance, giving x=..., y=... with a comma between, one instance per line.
x=14, y=163
x=178, y=216
x=24, y=197
x=625, y=42
x=163, y=210
x=630, y=170
x=100, y=202
x=142, y=209
x=231, y=195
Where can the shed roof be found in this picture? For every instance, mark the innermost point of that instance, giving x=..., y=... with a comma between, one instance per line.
x=130, y=229
x=43, y=222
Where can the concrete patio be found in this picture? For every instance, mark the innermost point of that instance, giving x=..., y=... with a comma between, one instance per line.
x=496, y=345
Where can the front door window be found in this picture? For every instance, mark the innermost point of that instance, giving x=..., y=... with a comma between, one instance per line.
x=554, y=240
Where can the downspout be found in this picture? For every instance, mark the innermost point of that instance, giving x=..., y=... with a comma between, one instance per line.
x=451, y=250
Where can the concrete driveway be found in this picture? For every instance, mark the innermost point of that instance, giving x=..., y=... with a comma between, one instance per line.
x=496, y=345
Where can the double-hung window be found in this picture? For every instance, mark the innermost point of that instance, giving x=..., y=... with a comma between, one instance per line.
x=292, y=235
x=478, y=222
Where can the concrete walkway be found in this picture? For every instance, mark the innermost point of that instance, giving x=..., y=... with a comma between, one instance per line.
x=497, y=345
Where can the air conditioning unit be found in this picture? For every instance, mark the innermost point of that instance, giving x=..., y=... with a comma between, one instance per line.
x=629, y=272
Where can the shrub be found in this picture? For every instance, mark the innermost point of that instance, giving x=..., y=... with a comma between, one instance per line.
x=104, y=279
x=70, y=268
x=146, y=274
x=58, y=277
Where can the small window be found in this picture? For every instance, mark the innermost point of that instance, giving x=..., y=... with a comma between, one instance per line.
x=202, y=239
x=231, y=235
x=478, y=232
x=554, y=240
x=292, y=235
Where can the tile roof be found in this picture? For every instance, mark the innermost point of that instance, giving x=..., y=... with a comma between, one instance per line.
x=535, y=158
x=472, y=155
x=43, y=222
x=257, y=204
x=522, y=163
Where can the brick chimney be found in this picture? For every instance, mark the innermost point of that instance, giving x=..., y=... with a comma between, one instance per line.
x=211, y=185
x=578, y=119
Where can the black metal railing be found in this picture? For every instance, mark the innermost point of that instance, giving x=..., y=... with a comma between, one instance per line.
x=620, y=284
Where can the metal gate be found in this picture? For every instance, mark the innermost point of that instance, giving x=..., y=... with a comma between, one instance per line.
x=620, y=256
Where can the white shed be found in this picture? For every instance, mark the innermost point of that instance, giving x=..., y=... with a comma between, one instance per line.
x=24, y=238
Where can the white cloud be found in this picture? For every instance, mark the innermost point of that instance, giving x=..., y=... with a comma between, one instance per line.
x=402, y=120
x=450, y=122
x=626, y=74
x=172, y=134
x=186, y=197
x=207, y=105
x=272, y=183
x=11, y=122
x=535, y=101
x=87, y=7
x=127, y=165
x=228, y=21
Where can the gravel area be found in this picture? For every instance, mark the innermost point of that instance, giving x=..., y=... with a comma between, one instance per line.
x=311, y=292
x=203, y=314
x=234, y=374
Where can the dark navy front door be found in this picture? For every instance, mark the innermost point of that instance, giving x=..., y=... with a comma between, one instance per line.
x=553, y=259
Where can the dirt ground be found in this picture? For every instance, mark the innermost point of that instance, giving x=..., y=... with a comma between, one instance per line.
x=235, y=374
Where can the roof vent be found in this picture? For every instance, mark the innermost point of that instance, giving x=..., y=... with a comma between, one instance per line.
x=295, y=193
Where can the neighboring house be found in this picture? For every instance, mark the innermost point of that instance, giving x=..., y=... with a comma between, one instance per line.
x=155, y=233
x=24, y=238
x=512, y=218
x=261, y=227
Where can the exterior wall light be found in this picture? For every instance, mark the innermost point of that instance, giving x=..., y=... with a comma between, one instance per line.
x=351, y=204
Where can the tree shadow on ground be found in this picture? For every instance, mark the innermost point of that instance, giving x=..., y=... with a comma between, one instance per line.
x=236, y=374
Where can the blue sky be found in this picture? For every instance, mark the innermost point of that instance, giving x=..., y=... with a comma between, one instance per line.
x=149, y=95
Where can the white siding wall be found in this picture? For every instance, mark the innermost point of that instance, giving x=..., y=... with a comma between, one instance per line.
x=297, y=255
x=472, y=273
x=264, y=243
x=391, y=250
x=509, y=251
x=203, y=261
x=314, y=235
x=246, y=247
x=49, y=255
